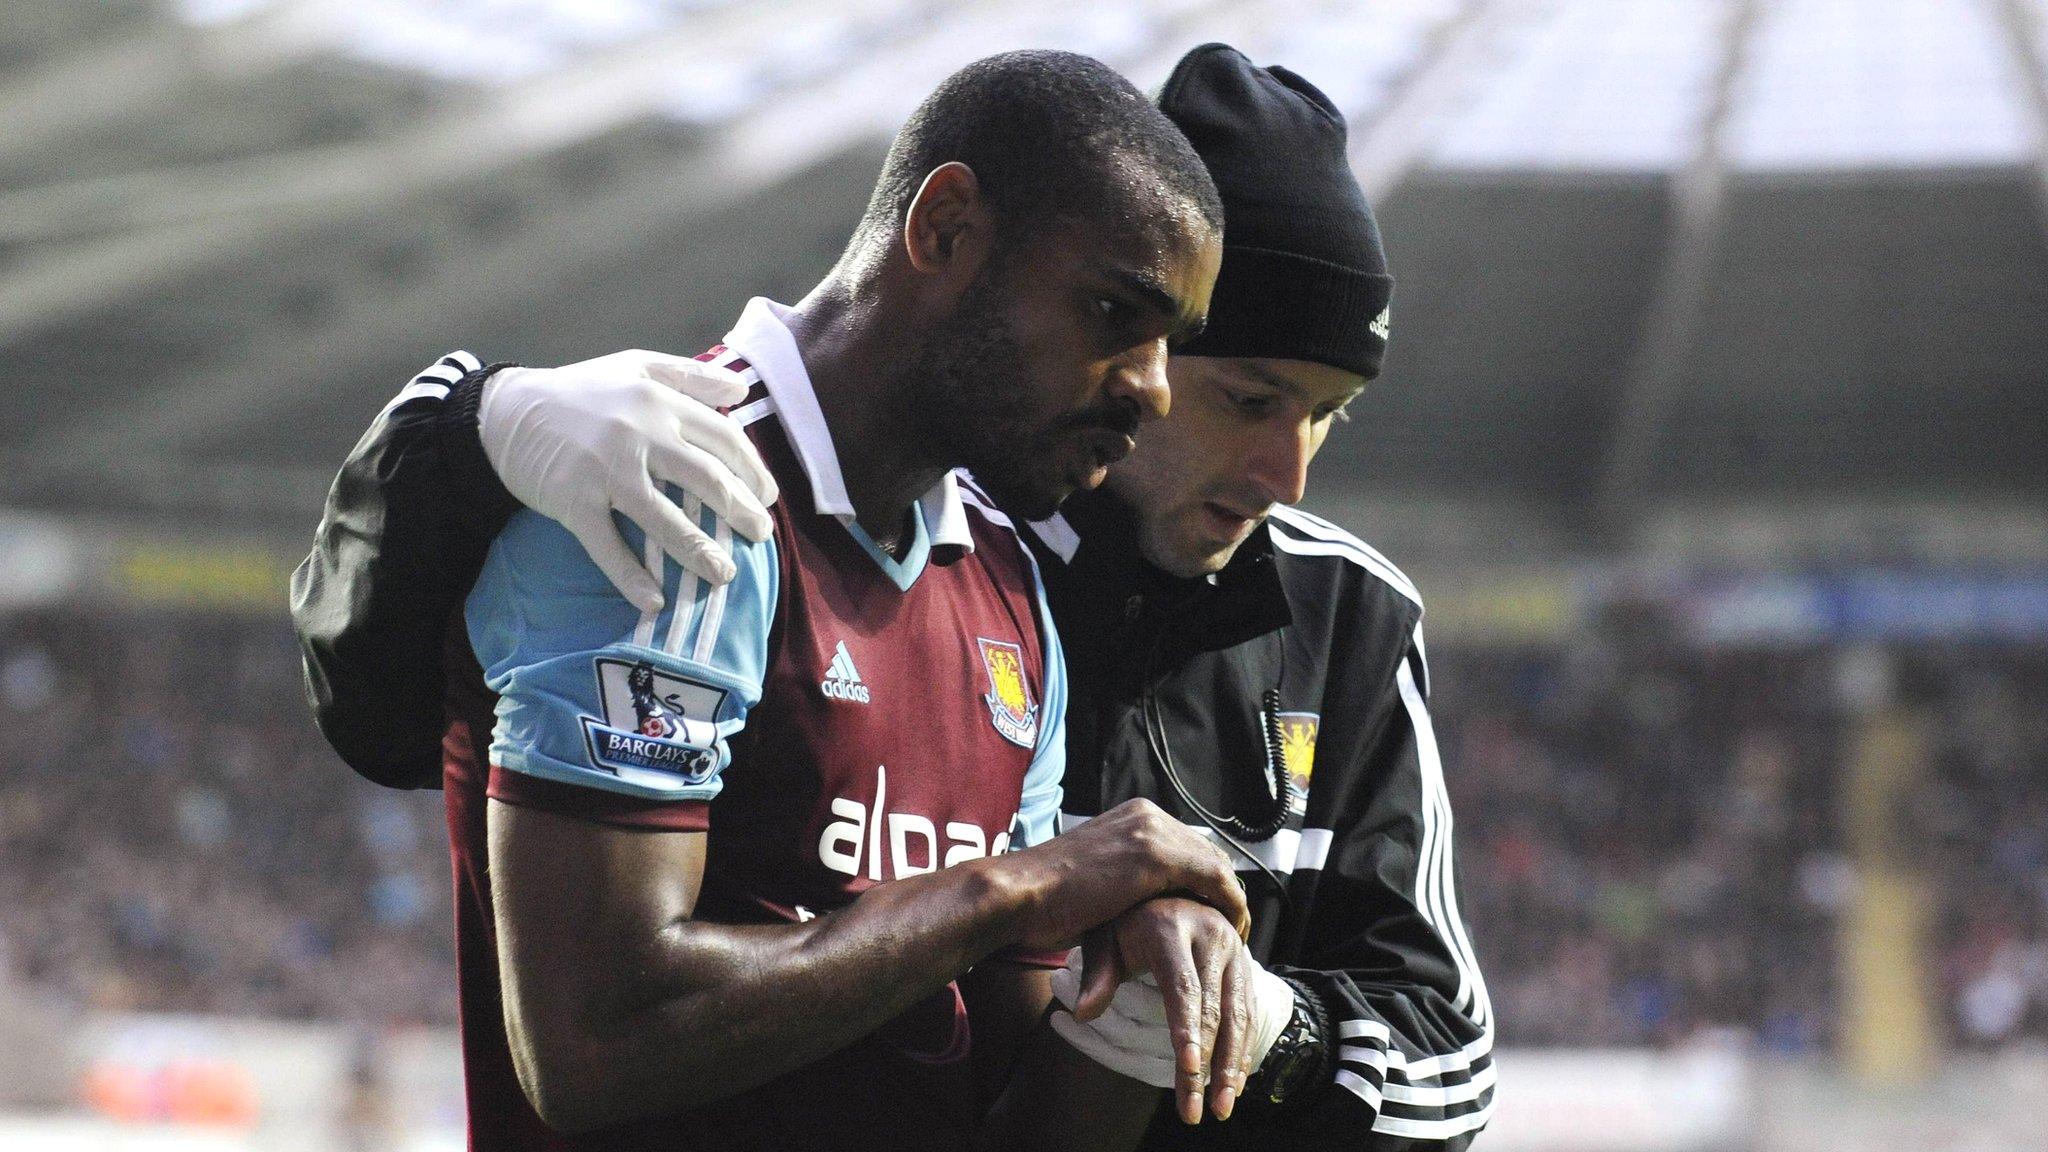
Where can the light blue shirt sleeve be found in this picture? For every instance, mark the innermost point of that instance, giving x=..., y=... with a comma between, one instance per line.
x=1038, y=815
x=593, y=692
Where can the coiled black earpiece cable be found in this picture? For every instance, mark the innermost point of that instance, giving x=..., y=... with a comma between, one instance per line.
x=1230, y=829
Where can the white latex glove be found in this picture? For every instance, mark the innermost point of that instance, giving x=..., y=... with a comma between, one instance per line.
x=576, y=443
x=1131, y=1036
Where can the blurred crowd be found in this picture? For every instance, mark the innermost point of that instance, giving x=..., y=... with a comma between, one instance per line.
x=1651, y=840
x=1650, y=837
x=176, y=836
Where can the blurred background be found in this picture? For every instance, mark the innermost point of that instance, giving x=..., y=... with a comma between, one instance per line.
x=1713, y=431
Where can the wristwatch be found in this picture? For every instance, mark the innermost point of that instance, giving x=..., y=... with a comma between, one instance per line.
x=1298, y=1056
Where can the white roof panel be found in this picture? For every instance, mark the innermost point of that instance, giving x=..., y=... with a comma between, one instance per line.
x=1830, y=84
x=1559, y=85
x=1592, y=85
x=1356, y=52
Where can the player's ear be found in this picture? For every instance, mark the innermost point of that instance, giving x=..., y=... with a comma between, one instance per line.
x=948, y=228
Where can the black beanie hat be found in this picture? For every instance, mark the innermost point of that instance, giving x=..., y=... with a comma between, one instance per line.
x=1304, y=276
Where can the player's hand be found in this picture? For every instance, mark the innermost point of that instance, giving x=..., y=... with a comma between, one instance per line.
x=1191, y=956
x=1135, y=1036
x=579, y=442
x=1129, y=854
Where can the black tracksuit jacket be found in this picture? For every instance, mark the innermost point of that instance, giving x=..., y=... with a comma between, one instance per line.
x=1354, y=899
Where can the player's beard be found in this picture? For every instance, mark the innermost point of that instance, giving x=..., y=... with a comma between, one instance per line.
x=971, y=393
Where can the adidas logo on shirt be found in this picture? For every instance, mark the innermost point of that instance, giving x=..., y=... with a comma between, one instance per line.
x=842, y=680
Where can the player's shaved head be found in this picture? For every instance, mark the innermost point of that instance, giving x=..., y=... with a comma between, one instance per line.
x=1052, y=138
x=1039, y=233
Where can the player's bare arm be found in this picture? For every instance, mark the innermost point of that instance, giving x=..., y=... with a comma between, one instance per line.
x=620, y=1006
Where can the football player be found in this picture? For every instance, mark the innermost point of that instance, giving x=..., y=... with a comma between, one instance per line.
x=756, y=927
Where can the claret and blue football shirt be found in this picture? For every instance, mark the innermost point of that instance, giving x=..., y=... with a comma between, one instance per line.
x=834, y=717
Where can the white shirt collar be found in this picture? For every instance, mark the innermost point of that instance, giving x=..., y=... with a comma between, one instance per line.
x=763, y=338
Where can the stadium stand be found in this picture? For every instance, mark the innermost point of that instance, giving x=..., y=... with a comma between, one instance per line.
x=177, y=837
x=1649, y=832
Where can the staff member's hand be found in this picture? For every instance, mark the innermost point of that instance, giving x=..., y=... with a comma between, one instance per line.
x=580, y=442
x=1169, y=995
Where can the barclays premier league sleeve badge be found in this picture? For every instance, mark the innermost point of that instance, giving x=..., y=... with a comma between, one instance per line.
x=1009, y=694
x=653, y=723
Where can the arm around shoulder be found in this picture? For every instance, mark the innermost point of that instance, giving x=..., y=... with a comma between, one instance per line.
x=403, y=535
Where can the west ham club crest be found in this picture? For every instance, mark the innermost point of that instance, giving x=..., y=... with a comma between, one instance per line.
x=1009, y=693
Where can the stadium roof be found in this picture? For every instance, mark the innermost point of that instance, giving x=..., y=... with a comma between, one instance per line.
x=1652, y=254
